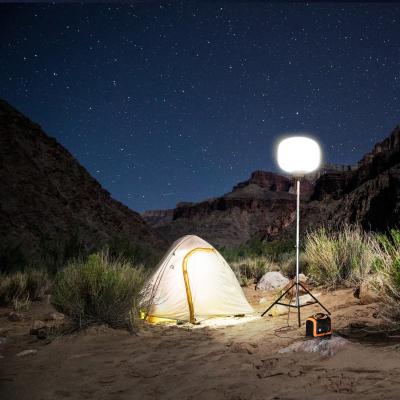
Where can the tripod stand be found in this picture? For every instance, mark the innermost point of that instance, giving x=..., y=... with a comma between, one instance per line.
x=297, y=305
x=296, y=283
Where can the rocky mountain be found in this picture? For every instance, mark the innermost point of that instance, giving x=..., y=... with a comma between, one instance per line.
x=48, y=199
x=369, y=195
x=264, y=205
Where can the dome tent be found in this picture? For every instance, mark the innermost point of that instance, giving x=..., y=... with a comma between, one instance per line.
x=193, y=282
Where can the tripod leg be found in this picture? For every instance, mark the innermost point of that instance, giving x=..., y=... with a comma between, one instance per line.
x=308, y=292
x=284, y=293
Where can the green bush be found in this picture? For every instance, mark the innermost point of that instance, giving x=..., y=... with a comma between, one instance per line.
x=387, y=268
x=20, y=288
x=101, y=289
x=259, y=248
x=339, y=257
x=251, y=269
x=287, y=263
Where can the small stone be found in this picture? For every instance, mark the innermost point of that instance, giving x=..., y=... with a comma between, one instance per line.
x=36, y=326
x=54, y=316
x=302, y=278
x=14, y=316
x=326, y=347
x=368, y=293
x=27, y=353
x=243, y=348
x=42, y=333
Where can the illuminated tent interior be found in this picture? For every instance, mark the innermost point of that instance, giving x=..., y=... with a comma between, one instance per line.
x=193, y=282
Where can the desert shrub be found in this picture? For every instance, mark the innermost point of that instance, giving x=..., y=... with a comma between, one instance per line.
x=37, y=283
x=339, y=257
x=287, y=263
x=275, y=249
x=101, y=289
x=251, y=269
x=259, y=248
x=19, y=288
x=387, y=268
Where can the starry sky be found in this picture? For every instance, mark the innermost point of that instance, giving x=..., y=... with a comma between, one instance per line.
x=169, y=102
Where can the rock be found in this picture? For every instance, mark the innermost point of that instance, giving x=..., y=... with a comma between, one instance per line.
x=14, y=316
x=278, y=310
x=273, y=280
x=36, y=326
x=54, y=316
x=27, y=353
x=42, y=333
x=367, y=291
x=57, y=195
x=306, y=298
x=246, y=348
x=326, y=347
x=303, y=278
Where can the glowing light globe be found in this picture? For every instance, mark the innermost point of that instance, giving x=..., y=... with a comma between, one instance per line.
x=298, y=155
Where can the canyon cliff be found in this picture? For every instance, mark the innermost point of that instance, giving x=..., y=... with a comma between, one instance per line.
x=48, y=200
x=264, y=205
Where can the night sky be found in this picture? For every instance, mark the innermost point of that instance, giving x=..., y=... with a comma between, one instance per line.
x=180, y=101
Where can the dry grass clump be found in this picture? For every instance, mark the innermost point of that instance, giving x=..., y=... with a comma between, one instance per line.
x=250, y=269
x=20, y=288
x=100, y=289
x=339, y=257
x=387, y=268
x=287, y=264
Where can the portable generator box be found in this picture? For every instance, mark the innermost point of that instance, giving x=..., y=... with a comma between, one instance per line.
x=318, y=325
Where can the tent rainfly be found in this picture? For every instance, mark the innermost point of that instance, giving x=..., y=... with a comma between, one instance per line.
x=193, y=282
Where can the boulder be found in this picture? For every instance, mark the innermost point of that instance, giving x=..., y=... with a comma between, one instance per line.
x=326, y=347
x=42, y=333
x=367, y=292
x=246, y=348
x=36, y=327
x=278, y=310
x=303, y=278
x=273, y=280
x=14, y=316
x=54, y=316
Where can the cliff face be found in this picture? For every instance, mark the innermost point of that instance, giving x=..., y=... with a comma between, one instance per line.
x=47, y=196
x=264, y=205
x=371, y=194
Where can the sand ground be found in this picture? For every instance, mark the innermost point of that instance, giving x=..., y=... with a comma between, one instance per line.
x=211, y=362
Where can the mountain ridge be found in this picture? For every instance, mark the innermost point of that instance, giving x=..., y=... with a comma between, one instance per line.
x=263, y=206
x=47, y=195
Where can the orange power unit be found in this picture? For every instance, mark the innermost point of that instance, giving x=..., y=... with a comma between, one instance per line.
x=318, y=325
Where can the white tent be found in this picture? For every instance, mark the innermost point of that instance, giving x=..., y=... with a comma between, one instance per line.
x=194, y=282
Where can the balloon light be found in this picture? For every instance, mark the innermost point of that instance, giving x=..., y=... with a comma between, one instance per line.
x=298, y=155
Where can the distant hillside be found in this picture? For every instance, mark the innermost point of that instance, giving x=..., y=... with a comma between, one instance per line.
x=50, y=203
x=264, y=205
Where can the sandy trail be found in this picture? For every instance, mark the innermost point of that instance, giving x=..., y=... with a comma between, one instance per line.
x=170, y=362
